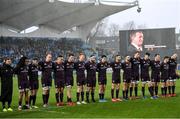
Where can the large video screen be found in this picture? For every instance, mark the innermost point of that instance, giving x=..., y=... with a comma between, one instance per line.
x=161, y=41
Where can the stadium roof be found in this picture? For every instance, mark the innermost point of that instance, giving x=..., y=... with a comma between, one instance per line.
x=59, y=15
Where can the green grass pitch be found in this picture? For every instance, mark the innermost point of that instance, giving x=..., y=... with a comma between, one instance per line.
x=140, y=108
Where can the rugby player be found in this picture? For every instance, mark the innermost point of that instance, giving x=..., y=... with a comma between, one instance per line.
x=23, y=81
x=135, y=74
x=155, y=73
x=33, y=82
x=46, y=67
x=102, y=78
x=80, y=74
x=69, y=67
x=127, y=76
x=173, y=75
x=164, y=75
x=116, y=77
x=6, y=75
x=59, y=79
x=145, y=77
x=91, y=67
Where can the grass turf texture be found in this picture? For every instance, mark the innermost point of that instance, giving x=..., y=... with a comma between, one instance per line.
x=140, y=108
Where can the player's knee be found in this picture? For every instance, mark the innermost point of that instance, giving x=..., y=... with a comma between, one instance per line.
x=87, y=89
x=21, y=95
x=31, y=93
x=34, y=92
x=124, y=87
x=117, y=86
x=78, y=90
x=163, y=86
x=57, y=90
x=26, y=92
x=62, y=90
x=82, y=90
x=44, y=92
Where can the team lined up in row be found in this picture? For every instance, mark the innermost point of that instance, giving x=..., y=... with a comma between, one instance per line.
x=134, y=68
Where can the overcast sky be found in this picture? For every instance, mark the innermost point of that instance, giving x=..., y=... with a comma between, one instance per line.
x=155, y=14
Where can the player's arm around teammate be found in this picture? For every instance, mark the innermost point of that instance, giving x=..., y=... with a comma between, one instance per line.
x=80, y=78
x=102, y=78
x=23, y=82
x=69, y=68
x=46, y=67
x=127, y=76
x=116, y=77
x=91, y=67
x=155, y=74
x=59, y=79
x=145, y=77
x=164, y=76
x=136, y=74
x=33, y=82
x=173, y=75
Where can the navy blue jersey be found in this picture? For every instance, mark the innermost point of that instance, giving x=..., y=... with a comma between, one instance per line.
x=33, y=77
x=80, y=70
x=135, y=66
x=145, y=65
x=164, y=70
x=116, y=67
x=46, y=68
x=155, y=66
x=33, y=72
x=59, y=71
x=69, y=67
x=101, y=69
x=22, y=74
x=127, y=68
x=172, y=68
x=91, y=70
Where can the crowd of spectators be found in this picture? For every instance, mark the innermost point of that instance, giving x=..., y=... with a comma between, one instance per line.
x=15, y=47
